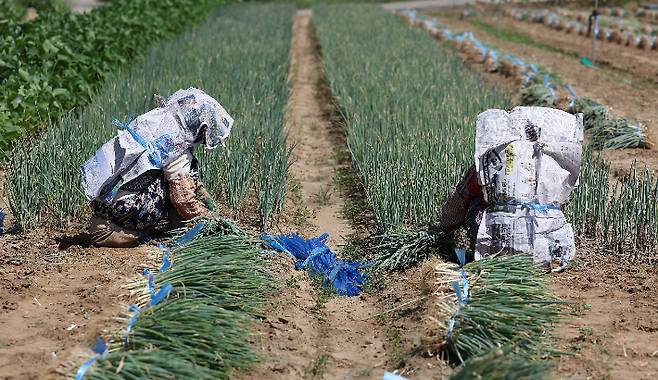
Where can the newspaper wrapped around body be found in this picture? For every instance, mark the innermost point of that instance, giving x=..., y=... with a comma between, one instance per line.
x=528, y=162
x=153, y=140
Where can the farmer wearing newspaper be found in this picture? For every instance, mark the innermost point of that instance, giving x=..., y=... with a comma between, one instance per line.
x=527, y=163
x=148, y=172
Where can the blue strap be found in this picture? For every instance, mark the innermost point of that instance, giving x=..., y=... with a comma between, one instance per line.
x=154, y=158
x=160, y=295
x=461, y=292
x=117, y=123
x=541, y=207
x=190, y=234
x=166, y=263
x=100, y=350
x=136, y=311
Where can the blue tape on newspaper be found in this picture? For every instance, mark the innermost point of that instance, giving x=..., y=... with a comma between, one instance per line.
x=154, y=158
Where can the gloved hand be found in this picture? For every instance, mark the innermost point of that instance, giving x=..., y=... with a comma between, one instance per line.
x=182, y=193
x=204, y=196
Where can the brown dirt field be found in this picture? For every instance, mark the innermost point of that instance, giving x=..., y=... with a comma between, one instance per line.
x=614, y=329
x=306, y=332
x=56, y=296
x=617, y=90
x=641, y=63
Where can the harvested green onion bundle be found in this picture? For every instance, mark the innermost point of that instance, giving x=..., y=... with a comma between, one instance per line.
x=217, y=281
x=500, y=364
x=228, y=270
x=537, y=95
x=507, y=303
x=402, y=249
x=197, y=331
x=147, y=364
x=619, y=134
x=594, y=114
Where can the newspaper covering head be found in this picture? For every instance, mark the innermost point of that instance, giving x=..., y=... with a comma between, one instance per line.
x=528, y=162
x=151, y=141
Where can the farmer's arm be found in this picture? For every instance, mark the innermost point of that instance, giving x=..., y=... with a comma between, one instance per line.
x=183, y=188
x=453, y=212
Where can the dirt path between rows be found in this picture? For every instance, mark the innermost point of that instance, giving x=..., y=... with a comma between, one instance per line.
x=56, y=296
x=605, y=86
x=306, y=332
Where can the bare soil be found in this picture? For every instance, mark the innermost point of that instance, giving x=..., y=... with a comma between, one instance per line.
x=627, y=94
x=56, y=295
x=639, y=62
x=613, y=331
x=305, y=331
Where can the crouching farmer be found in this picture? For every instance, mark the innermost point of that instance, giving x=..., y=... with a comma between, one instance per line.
x=148, y=173
x=527, y=162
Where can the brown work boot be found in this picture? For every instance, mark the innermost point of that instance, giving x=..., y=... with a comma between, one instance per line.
x=104, y=233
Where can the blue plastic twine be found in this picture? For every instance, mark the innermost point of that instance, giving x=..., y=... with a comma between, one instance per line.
x=136, y=311
x=541, y=207
x=461, y=289
x=100, y=350
x=156, y=297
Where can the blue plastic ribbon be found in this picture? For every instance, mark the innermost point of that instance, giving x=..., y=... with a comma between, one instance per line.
x=131, y=322
x=100, y=350
x=461, y=289
x=313, y=255
x=154, y=158
x=166, y=263
x=156, y=297
x=190, y=234
x=541, y=207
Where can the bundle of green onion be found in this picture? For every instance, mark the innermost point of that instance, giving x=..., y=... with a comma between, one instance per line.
x=502, y=364
x=508, y=304
x=593, y=112
x=402, y=249
x=537, y=95
x=148, y=364
x=226, y=270
x=218, y=281
x=619, y=134
x=197, y=331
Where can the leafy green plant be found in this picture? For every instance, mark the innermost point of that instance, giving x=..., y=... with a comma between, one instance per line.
x=55, y=63
x=11, y=10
